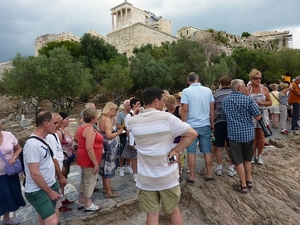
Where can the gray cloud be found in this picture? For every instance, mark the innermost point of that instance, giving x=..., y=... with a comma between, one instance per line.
x=21, y=22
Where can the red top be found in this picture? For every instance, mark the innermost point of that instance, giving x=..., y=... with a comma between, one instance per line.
x=83, y=158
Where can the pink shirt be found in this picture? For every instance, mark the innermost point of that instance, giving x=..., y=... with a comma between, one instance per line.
x=7, y=148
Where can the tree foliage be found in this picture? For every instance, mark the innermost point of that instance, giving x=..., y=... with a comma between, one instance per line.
x=54, y=78
x=72, y=46
x=95, y=50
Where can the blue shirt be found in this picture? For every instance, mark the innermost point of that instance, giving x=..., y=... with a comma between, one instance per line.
x=198, y=99
x=238, y=109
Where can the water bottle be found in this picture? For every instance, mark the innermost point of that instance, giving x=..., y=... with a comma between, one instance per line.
x=212, y=137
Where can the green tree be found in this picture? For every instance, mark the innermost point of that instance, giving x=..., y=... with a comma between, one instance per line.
x=246, y=34
x=145, y=72
x=95, y=50
x=55, y=78
x=72, y=46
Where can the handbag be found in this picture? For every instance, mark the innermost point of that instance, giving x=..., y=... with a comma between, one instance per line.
x=265, y=128
x=12, y=169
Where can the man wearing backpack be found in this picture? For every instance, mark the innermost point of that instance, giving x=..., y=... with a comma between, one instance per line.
x=41, y=188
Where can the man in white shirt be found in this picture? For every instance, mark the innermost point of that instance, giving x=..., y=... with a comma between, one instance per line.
x=157, y=177
x=41, y=188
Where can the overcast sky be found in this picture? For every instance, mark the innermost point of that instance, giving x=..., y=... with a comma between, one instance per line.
x=22, y=21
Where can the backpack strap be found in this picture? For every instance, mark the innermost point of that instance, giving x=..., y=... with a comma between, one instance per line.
x=44, y=142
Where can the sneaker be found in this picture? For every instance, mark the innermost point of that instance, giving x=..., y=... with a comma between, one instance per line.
x=260, y=160
x=121, y=172
x=134, y=177
x=218, y=171
x=128, y=170
x=253, y=160
x=67, y=202
x=231, y=172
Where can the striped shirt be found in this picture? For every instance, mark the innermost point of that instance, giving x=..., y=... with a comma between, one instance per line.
x=219, y=96
x=154, y=132
x=238, y=110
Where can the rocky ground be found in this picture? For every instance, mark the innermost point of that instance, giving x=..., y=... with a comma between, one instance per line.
x=275, y=198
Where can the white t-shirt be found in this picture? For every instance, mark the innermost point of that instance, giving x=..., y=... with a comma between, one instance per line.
x=131, y=137
x=56, y=147
x=35, y=151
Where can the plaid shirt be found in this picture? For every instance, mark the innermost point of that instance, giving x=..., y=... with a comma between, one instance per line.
x=238, y=109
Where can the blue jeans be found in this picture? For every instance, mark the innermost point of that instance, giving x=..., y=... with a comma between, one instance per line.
x=295, y=115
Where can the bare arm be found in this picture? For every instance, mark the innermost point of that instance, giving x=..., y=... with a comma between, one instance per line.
x=184, y=112
x=212, y=115
x=17, y=151
x=185, y=141
x=40, y=181
x=257, y=117
x=61, y=179
x=108, y=129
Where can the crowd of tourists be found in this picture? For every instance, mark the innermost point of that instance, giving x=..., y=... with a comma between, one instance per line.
x=148, y=138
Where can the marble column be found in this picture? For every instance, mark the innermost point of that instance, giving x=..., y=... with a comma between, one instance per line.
x=117, y=19
x=126, y=17
x=113, y=21
x=121, y=18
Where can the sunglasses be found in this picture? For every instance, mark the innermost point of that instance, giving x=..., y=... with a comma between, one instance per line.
x=256, y=78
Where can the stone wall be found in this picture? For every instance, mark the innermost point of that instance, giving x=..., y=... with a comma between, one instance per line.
x=41, y=41
x=271, y=40
x=3, y=66
x=136, y=35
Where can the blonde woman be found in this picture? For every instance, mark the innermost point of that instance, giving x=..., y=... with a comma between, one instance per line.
x=111, y=143
x=261, y=96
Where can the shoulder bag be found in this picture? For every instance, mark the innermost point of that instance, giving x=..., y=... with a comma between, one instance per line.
x=12, y=169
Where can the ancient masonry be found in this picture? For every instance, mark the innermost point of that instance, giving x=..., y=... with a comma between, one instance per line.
x=133, y=27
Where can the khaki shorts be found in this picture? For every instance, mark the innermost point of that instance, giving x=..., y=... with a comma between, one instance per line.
x=150, y=200
x=42, y=203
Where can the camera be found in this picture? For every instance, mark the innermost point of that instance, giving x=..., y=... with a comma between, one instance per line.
x=172, y=159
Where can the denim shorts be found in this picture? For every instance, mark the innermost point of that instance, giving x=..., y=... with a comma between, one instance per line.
x=204, y=141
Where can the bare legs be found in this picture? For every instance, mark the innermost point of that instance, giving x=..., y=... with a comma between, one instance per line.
x=192, y=164
x=259, y=141
x=244, y=172
x=175, y=216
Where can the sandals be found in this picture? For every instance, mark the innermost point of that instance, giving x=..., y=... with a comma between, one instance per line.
x=92, y=207
x=10, y=222
x=249, y=184
x=208, y=178
x=79, y=205
x=111, y=188
x=189, y=181
x=112, y=195
x=241, y=189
